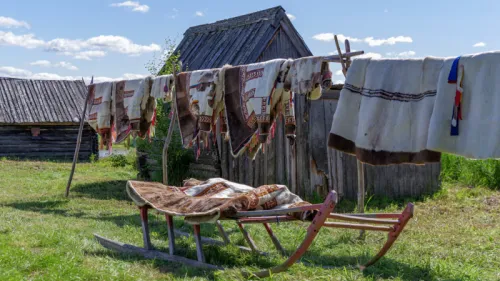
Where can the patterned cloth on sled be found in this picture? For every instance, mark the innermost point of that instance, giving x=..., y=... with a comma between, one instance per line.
x=207, y=201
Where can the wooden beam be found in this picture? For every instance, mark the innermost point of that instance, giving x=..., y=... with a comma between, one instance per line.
x=78, y=140
x=337, y=58
x=247, y=237
x=222, y=233
x=360, y=219
x=151, y=254
x=342, y=62
x=359, y=226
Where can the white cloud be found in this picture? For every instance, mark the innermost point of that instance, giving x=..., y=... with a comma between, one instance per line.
x=328, y=37
x=479, y=44
x=13, y=23
x=371, y=41
x=199, y=14
x=389, y=41
x=80, y=49
x=87, y=55
x=135, y=6
x=402, y=55
x=121, y=45
x=339, y=73
x=26, y=40
x=370, y=55
x=176, y=12
x=339, y=82
x=45, y=63
x=8, y=71
x=62, y=64
x=291, y=17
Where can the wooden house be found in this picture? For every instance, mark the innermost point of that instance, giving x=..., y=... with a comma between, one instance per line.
x=39, y=119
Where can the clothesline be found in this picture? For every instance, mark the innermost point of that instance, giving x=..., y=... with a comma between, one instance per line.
x=118, y=109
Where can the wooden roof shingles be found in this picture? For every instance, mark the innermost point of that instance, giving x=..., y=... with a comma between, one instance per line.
x=236, y=41
x=25, y=101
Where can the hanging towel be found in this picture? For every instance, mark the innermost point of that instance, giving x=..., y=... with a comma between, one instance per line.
x=99, y=109
x=286, y=100
x=307, y=76
x=162, y=87
x=131, y=99
x=248, y=94
x=384, y=111
x=479, y=136
x=195, y=99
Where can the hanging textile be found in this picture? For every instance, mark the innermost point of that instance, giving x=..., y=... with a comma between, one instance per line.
x=195, y=99
x=384, y=111
x=479, y=137
x=308, y=76
x=132, y=107
x=248, y=101
x=162, y=87
x=99, y=109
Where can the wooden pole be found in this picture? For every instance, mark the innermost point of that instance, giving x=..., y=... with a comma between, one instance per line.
x=361, y=192
x=170, y=129
x=342, y=62
x=79, y=139
x=359, y=164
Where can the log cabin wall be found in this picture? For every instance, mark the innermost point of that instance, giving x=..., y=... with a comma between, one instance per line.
x=320, y=169
x=54, y=142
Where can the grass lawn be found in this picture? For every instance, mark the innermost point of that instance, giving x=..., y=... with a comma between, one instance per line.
x=455, y=234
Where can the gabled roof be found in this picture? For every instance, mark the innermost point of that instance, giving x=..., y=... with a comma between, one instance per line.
x=41, y=101
x=236, y=41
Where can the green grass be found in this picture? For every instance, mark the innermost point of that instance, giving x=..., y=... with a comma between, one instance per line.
x=455, y=234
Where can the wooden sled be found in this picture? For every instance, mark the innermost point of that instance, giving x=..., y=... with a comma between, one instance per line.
x=391, y=223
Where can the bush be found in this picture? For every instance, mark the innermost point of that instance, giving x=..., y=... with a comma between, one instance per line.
x=178, y=157
x=456, y=169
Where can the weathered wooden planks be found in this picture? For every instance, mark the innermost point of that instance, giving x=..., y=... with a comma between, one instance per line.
x=310, y=168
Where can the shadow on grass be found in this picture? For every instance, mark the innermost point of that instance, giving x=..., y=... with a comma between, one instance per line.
x=109, y=190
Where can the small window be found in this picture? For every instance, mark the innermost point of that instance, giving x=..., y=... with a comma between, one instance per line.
x=35, y=132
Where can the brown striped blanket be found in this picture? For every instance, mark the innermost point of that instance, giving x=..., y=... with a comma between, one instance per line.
x=207, y=201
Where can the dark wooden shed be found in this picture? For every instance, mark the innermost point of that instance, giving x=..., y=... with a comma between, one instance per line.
x=39, y=119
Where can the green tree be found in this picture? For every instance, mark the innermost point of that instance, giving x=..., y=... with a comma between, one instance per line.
x=178, y=157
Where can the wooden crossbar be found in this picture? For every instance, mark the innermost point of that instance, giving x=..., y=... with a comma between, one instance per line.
x=244, y=214
x=359, y=226
x=361, y=219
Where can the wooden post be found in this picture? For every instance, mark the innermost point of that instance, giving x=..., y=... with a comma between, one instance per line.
x=145, y=228
x=361, y=193
x=171, y=235
x=344, y=68
x=79, y=139
x=197, y=239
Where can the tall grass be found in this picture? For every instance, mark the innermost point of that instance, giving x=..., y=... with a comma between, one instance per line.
x=456, y=169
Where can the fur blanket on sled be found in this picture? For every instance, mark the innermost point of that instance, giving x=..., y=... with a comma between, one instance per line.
x=207, y=201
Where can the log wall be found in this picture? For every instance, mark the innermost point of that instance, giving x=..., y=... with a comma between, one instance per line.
x=55, y=142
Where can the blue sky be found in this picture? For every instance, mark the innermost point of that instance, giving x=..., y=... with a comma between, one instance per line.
x=113, y=39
